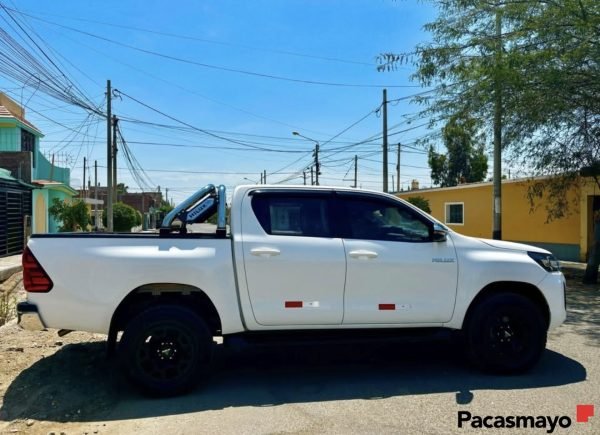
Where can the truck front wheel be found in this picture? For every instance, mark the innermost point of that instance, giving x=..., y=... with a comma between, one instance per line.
x=506, y=334
x=165, y=350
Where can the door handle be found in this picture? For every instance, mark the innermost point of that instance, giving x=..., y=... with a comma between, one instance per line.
x=265, y=252
x=363, y=254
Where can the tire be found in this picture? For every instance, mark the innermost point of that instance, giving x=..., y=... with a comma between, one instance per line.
x=506, y=334
x=165, y=350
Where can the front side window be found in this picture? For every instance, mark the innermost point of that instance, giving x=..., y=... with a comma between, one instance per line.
x=372, y=219
x=292, y=216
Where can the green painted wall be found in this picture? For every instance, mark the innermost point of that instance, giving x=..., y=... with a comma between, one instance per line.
x=42, y=171
x=10, y=139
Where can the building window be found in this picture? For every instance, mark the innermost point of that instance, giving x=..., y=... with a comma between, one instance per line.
x=28, y=144
x=455, y=213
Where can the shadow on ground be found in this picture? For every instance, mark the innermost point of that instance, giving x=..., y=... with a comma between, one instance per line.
x=77, y=383
x=583, y=304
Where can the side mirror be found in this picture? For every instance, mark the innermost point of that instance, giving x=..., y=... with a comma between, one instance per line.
x=439, y=233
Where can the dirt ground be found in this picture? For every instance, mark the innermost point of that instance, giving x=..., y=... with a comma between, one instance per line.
x=21, y=349
x=54, y=385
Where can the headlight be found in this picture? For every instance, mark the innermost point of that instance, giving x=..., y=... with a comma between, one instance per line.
x=548, y=261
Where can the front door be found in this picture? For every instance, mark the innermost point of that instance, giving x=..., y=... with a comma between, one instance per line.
x=395, y=272
x=295, y=269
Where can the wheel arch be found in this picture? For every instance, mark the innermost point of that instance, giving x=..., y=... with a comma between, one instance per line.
x=154, y=294
x=525, y=289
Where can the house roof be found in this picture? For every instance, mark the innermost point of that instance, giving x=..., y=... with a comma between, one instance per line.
x=6, y=177
x=472, y=185
x=5, y=113
x=54, y=185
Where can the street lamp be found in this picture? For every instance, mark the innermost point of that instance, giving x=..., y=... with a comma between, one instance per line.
x=252, y=181
x=315, y=155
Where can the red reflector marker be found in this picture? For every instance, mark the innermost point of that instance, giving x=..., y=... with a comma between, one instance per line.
x=387, y=306
x=35, y=278
x=293, y=304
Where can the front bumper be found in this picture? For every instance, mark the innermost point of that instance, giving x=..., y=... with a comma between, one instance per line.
x=554, y=288
x=29, y=317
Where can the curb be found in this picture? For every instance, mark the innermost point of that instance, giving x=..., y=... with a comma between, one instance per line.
x=8, y=271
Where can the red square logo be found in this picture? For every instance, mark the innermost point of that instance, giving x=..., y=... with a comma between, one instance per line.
x=584, y=412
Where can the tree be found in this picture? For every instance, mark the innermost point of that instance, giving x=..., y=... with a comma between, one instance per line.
x=468, y=63
x=165, y=207
x=121, y=188
x=124, y=217
x=560, y=122
x=464, y=162
x=73, y=215
x=419, y=201
x=527, y=71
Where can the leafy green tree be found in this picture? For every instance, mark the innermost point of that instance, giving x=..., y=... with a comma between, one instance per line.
x=527, y=72
x=73, y=215
x=121, y=188
x=165, y=207
x=419, y=201
x=125, y=217
x=559, y=120
x=464, y=162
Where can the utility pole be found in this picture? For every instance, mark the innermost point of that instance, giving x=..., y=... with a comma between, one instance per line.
x=355, y=171
x=385, y=142
x=96, y=195
x=304, y=176
x=265, y=176
x=398, y=170
x=109, y=159
x=497, y=207
x=261, y=178
x=167, y=195
x=114, y=160
x=83, y=193
x=317, y=164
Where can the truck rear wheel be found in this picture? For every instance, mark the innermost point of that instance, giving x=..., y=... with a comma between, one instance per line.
x=165, y=350
x=506, y=334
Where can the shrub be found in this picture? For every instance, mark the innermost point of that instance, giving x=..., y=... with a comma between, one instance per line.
x=124, y=217
x=72, y=215
x=419, y=201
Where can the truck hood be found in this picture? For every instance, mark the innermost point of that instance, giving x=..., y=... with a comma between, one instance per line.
x=500, y=244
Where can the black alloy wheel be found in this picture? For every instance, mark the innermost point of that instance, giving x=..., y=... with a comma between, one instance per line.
x=506, y=334
x=165, y=350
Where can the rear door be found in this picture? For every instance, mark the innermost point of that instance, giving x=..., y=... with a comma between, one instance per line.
x=395, y=272
x=295, y=269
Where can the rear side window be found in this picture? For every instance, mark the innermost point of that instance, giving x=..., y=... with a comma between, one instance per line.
x=301, y=216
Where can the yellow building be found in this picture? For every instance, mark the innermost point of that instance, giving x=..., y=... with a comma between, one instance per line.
x=467, y=209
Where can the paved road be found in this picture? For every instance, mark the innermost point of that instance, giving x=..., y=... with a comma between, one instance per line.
x=339, y=389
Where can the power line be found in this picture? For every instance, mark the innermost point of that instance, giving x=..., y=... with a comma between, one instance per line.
x=187, y=90
x=205, y=40
x=207, y=132
x=218, y=67
x=23, y=66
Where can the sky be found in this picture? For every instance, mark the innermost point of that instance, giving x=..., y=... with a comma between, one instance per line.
x=231, y=80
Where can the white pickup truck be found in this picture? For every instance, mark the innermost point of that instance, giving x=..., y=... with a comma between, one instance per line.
x=293, y=262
